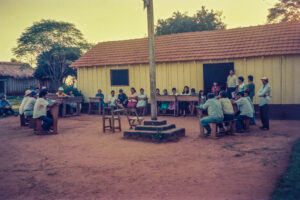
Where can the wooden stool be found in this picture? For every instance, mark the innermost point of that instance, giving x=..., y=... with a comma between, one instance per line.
x=213, y=127
x=247, y=124
x=22, y=120
x=114, y=116
x=38, y=126
x=232, y=124
x=32, y=123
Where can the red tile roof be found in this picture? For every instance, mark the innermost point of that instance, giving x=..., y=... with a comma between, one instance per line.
x=16, y=70
x=264, y=40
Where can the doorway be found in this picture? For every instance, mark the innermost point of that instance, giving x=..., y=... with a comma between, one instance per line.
x=216, y=72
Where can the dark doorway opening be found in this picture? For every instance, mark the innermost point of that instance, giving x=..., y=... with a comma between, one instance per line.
x=216, y=72
x=2, y=87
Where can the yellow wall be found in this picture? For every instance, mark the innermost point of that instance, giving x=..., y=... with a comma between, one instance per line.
x=283, y=73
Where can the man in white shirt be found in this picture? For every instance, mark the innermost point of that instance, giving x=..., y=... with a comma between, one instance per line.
x=28, y=107
x=245, y=111
x=40, y=110
x=232, y=83
x=264, y=94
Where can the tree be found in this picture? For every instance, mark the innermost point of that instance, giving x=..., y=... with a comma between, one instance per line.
x=180, y=22
x=53, y=44
x=152, y=68
x=54, y=64
x=284, y=11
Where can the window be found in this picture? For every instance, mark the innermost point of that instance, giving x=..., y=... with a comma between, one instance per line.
x=119, y=77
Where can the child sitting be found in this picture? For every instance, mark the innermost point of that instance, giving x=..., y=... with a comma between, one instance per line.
x=164, y=105
x=25, y=99
x=226, y=107
x=142, y=102
x=202, y=97
x=132, y=98
x=112, y=100
x=172, y=104
x=193, y=103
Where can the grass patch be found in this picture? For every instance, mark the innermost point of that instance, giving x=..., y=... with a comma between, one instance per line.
x=288, y=186
x=15, y=102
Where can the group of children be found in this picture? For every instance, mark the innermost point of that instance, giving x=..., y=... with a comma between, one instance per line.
x=5, y=107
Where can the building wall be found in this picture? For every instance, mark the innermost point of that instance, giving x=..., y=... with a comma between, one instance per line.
x=18, y=86
x=283, y=72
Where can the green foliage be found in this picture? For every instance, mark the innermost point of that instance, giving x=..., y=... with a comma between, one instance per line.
x=180, y=22
x=284, y=11
x=55, y=63
x=75, y=91
x=45, y=35
x=288, y=187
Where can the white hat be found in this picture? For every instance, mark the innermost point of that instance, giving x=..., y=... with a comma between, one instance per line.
x=60, y=89
x=27, y=92
x=265, y=78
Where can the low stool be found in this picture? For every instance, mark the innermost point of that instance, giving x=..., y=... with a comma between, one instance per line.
x=32, y=123
x=247, y=124
x=213, y=127
x=22, y=120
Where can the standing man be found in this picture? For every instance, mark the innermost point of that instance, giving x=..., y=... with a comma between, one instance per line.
x=232, y=83
x=264, y=94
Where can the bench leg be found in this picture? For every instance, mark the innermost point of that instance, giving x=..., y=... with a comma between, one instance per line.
x=232, y=126
x=213, y=127
x=247, y=124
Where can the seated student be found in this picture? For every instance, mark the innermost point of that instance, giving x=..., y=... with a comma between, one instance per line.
x=157, y=93
x=245, y=111
x=25, y=99
x=61, y=93
x=215, y=89
x=214, y=110
x=28, y=107
x=101, y=95
x=164, y=105
x=132, y=98
x=193, y=103
x=5, y=107
x=226, y=107
x=122, y=100
x=112, y=100
x=183, y=105
x=40, y=110
x=172, y=104
x=142, y=102
x=71, y=105
x=246, y=95
x=202, y=97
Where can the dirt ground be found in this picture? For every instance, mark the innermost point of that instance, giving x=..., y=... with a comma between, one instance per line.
x=83, y=163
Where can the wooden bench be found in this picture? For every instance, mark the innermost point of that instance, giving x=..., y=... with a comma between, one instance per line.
x=213, y=127
x=67, y=100
x=54, y=110
x=188, y=98
x=168, y=98
x=92, y=101
x=133, y=118
x=111, y=115
x=23, y=120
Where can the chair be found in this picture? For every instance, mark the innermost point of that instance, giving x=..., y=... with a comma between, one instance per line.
x=111, y=116
x=133, y=118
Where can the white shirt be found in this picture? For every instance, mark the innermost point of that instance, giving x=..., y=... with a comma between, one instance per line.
x=112, y=101
x=40, y=108
x=24, y=101
x=29, y=104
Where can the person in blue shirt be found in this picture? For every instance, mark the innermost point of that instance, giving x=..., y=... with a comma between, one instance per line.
x=101, y=95
x=214, y=110
x=5, y=107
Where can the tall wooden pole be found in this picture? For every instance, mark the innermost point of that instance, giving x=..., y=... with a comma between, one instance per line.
x=152, y=67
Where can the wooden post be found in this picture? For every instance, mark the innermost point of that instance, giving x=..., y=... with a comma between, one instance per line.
x=152, y=67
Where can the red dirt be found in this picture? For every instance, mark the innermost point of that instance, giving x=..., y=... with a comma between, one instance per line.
x=83, y=163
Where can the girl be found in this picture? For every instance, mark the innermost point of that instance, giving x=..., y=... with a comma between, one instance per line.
x=132, y=98
x=192, y=104
x=215, y=89
x=172, y=104
x=202, y=97
x=164, y=105
x=183, y=105
x=142, y=102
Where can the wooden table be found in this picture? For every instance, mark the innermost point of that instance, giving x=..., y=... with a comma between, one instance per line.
x=188, y=98
x=67, y=100
x=93, y=100
x=168, y=98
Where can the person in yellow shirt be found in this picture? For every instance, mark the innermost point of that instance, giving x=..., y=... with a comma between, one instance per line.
x=226, y=107
x=61, y=93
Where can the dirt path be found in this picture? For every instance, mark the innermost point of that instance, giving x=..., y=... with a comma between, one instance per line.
x=83, y=163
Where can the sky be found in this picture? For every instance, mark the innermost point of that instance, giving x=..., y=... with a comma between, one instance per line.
x=108, y=20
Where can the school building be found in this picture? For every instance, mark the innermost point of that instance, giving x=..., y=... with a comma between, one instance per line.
x=197, y=59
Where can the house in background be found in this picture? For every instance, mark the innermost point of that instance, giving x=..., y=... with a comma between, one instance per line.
x=15, y=78
x=197, y=59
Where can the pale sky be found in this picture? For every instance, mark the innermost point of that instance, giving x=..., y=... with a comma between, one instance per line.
x=106, y=20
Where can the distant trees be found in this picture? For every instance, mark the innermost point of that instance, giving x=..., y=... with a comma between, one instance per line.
x=284, y=11
x=53, y=45
x=201, y=21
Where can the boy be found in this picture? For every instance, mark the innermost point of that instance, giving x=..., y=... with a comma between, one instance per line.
x=250, y=87
x=226, y=107
x=112, y=100
x=214, y=110
x=246, y=94
x=61, y=93
x=28, y=107
x=241, y=87
x=215, y=89
x=5, y=107
x=245, y=111
x=40, y=110
x=122, y=100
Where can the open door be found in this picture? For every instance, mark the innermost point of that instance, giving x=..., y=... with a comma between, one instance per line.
x=216, y=72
